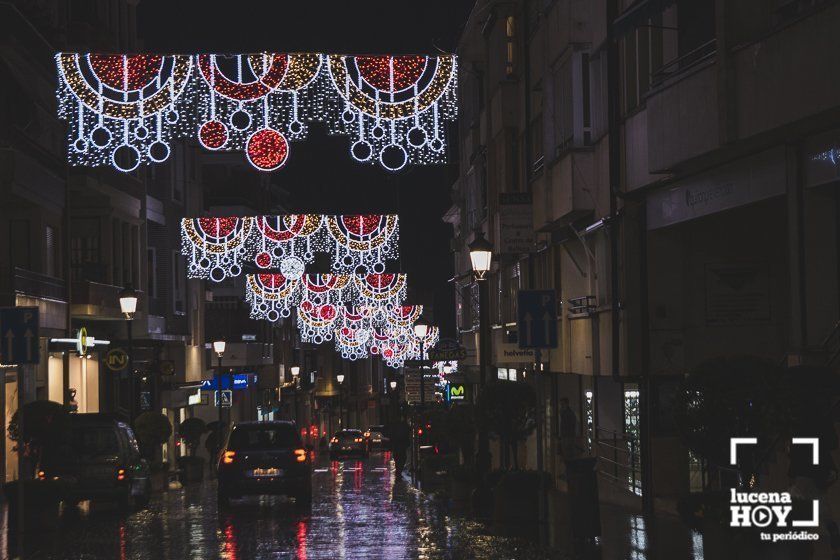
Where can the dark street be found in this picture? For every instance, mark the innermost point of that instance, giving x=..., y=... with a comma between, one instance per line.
x=360, y=510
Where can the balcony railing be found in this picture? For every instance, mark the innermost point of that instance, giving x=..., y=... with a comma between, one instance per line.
x=39, y=286
x=685, y=62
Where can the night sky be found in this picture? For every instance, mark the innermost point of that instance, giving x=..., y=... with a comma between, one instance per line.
x=320, y=174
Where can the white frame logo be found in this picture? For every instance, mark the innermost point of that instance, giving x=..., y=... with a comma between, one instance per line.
x=763, y=509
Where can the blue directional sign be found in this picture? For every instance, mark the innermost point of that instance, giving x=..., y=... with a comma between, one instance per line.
x=240, y=381
x=537, y=319
x=19, y=335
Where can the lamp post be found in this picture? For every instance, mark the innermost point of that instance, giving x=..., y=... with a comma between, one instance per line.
x=295, y=374
x=481, y=256
x=219, y=349
x=340, y=379
x=128, y=307
x=421, y=329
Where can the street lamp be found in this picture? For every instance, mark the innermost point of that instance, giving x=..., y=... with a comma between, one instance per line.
x=219, y=348
x=128, y=307
x=421, y=329
x=295, y=373
x=393, y=385
x=340, y=379
x=481, y=256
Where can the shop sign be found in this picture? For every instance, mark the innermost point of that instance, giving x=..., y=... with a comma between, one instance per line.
x=455, y=392
x=516, y=223
x=116, y=359
x=240, y=381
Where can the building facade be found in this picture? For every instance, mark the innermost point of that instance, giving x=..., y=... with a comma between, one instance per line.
x=679, y=194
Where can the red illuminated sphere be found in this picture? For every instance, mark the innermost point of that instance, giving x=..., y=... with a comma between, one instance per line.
x=213, y=135
x=267, y=149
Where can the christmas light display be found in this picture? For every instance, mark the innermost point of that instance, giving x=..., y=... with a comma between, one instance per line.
x=273, y=296
x=217, y=248
x=124, y=109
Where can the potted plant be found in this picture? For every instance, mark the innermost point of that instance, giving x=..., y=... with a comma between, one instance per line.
x=192, y=466
x=153, y=430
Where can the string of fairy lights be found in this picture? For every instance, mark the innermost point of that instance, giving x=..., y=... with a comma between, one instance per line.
x=358, y=307
x=125, y=110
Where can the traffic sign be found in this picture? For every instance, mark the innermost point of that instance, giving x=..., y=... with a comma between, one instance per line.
x=19, y=335
x=227, y=398
x=116, y=359
x=537, y=318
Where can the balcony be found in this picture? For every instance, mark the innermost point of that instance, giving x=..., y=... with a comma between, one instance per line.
x=93, y=300
x=798, y=64
x=40, y=286
x=682, y=110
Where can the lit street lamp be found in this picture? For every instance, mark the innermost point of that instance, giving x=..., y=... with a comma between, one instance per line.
x=481, y=256
x=219, y=349
x=421, y=329
x=128, y=307
x=340, y=379
x=295, y=374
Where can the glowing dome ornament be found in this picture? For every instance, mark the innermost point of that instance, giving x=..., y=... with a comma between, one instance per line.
x=216, y=247
x=124, y=109
x=359, y=244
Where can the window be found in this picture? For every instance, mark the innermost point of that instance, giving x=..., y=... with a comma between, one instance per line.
x=510, y=35
x=178, y=176
x=476, y=202
x=84, y=250
x=571, y=105
x=589, y=418
x=641, y=57
x=21, y=251
x=151, y=272
x=50, y=253
x=179, y=279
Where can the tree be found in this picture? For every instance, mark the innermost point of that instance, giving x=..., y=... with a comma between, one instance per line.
x=726, y=397
x=153, y=430
x=191, y=430
x=507, y=409
x=46, y=426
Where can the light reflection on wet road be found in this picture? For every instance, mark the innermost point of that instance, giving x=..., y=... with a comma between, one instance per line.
x=360, y=511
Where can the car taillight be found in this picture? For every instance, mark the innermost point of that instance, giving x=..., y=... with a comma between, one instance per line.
x=228, y=457
x=300, y=455
x=334, y=440
x=358, y=440
x=120, y=474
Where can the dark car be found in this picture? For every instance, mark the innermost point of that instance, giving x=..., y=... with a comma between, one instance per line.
x=377, y=438
x=101, y=462
x=265, y=458
x=348, y=443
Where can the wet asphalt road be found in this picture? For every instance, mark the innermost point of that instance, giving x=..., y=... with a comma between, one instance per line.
x=360, y=510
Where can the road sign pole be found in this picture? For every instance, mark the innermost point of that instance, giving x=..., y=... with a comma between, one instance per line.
x=483, y=459
x=131, y=391
x=541, y=508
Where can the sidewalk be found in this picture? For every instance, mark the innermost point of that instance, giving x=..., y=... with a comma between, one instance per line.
x=628, y=535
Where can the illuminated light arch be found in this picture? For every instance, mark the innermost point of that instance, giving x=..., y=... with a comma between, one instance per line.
x=393, y=108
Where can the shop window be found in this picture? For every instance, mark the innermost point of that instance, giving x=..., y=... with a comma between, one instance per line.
x=631, y=434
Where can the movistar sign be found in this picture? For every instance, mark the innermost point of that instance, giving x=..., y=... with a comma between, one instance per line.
x=456, y=392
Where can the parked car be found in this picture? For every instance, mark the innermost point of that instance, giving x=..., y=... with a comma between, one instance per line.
x=265, y=458
x=101, y=462
x=377, y=438
x=348, y=443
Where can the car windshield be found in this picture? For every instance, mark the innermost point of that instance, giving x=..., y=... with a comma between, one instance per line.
x=94, y=441
x=349, y=434
x=244, y=438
